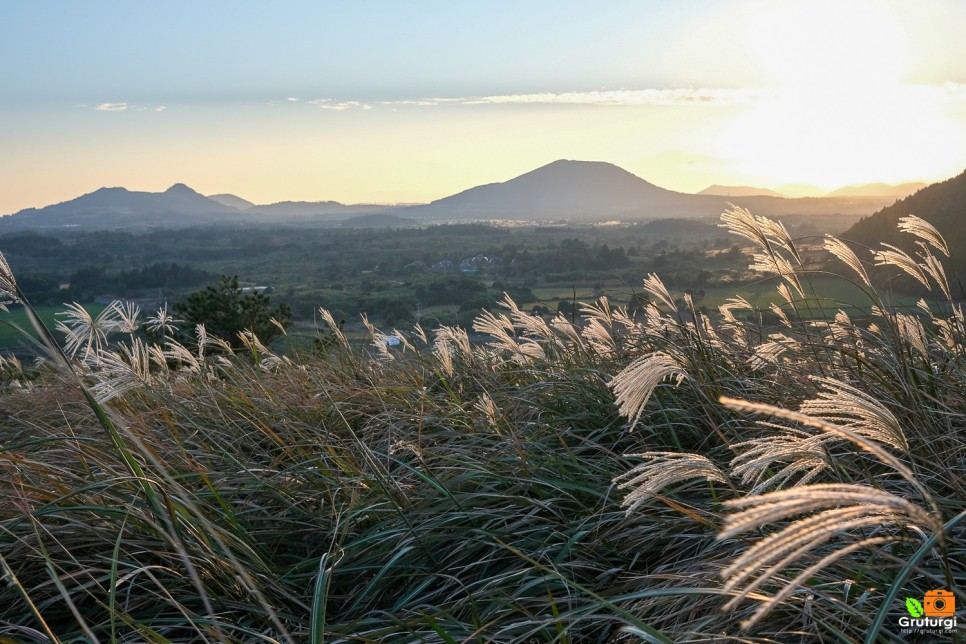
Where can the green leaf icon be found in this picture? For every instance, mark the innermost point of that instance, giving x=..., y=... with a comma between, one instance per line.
x=914, y=607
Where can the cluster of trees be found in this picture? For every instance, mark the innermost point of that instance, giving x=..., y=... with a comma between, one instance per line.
x=226, y=309
x=91, y=280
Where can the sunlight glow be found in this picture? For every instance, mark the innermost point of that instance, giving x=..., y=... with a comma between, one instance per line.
x=843, y=112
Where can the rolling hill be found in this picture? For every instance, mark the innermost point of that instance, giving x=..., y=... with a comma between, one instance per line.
x=179, y=205
x=941, y=204
x=878, y=189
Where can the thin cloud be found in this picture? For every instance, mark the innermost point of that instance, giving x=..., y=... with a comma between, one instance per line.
x=340, y=106
x=675, y=96
x=111, y=107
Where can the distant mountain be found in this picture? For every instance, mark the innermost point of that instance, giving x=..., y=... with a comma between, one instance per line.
x=941, y=204
x=562, y=188
x=589, y=190
x=593, y=190
x=232, y=201
x=738, y=191
x=878, y=189
x=179, y=205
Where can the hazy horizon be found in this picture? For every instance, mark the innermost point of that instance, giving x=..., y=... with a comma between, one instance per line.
x=388, y=103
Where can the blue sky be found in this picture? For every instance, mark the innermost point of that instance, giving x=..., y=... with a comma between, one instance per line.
x=411, y=101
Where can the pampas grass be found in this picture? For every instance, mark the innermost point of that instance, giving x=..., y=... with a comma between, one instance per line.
x=794, y=480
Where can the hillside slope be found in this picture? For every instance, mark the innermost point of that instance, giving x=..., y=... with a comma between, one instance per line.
x=941, y=204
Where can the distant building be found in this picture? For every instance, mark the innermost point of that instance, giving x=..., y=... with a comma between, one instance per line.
x=444, y=266
x=480, y=263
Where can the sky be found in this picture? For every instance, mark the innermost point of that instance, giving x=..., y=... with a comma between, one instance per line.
x=401, y=102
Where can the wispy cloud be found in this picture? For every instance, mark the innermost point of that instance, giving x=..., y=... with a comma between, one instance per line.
x=678, y=96
x=673, y=96
x=340, y=106
x=124, y=107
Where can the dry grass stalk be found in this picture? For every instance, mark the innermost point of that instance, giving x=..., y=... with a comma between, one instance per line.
x=661, y=470
x=835, y=509
x=848, y=257
x=634, y=385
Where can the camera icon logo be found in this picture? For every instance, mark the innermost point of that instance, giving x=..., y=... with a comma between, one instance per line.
x=939, y=603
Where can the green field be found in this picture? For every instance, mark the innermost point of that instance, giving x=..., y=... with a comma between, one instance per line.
x=14, y=323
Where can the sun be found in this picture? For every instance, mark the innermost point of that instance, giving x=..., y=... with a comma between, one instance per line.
x=841, y=111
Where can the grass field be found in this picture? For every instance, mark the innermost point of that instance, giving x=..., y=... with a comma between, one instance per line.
x=672, y=477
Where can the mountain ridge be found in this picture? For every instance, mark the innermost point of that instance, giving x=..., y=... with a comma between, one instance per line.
x=562, y=189
x=596, y=189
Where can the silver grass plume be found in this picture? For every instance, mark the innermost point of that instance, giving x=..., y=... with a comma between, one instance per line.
x=773, y=262
x=793, y=452
x=848, y=257
x=768, y=353
x=206, y=340
x=894, y=256
x=334, y=328
x=127, y=314
x=761, y=231
x=734, y=326
x=486, y=406
x=863, y=442
x=403, y=340
x=565, y=328
x=922, y=229
x=780, y=314
x=176, y=352
x=458, y=338
x=533, y=326
x=443, y=351
x=501, y=329
x=661, y=470
x=267, y=359
x=841, y=327
x=771, y=237
x=119, y=371
x=634, y=385
x=912, y=331
x=420, y=333
x=8, y=285
x=835, y=510
x=448, y=341
x=934, y=268
x=599, y=338
x=162, y=322
x=83, y=331
x=656, y=288
x=951, y=327
x=846, y=406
